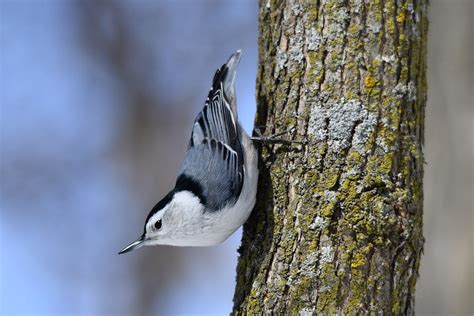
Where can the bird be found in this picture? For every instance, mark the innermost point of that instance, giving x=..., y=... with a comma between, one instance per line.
x=216, y=186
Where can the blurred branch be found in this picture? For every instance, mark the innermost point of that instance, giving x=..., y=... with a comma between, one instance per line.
x=108, y=37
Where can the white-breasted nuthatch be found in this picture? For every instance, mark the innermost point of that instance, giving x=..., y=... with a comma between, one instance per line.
x=217, y=183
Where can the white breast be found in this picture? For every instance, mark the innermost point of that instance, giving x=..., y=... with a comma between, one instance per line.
x=192, y=225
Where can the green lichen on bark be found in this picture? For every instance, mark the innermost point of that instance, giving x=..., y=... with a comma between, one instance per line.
x=337, y=228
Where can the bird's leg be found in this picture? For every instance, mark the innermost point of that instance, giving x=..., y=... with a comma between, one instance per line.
x=273, y=139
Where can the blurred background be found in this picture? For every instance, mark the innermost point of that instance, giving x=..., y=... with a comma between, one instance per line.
x=97, y=100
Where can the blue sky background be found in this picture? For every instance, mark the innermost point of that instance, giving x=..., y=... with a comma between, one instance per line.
x=68, y=204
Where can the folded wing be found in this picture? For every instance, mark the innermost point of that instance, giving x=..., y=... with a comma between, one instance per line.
x=213, y=166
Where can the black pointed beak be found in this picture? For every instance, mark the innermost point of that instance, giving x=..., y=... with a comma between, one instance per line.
x=134, y=245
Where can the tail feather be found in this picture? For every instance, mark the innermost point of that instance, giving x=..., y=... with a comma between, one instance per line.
x=226, y=75
x=218, y=118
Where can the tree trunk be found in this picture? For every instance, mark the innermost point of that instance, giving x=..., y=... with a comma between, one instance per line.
x=337, y=228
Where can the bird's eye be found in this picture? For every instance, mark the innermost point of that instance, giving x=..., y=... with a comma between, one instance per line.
x=158, y=224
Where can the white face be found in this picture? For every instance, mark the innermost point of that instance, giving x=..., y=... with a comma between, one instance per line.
x=177, y=222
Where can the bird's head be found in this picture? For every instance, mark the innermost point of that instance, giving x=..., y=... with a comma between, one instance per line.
x=175, y=220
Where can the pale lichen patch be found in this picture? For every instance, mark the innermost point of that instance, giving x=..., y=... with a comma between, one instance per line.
x=307, y=311
x=281, y=59
x=313, y=39
x=407, y=91
x=317, y=123
x=327, y=254
x=374, y=27
x=295, y=51
x=317, y=223
x=342, y=123
x=363, y=131
x=309, y=265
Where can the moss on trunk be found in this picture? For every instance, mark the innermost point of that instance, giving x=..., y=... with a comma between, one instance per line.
x=338, y=224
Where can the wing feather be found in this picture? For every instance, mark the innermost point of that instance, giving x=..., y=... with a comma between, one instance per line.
x=215, y=156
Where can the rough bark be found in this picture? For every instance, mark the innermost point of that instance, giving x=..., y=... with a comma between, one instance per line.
x=337, y=228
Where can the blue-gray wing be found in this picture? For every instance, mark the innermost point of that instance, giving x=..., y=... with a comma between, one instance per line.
x=211, y=171
x=214, y=161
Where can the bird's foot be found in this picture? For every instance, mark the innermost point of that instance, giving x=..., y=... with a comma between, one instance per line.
x=273, y=139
